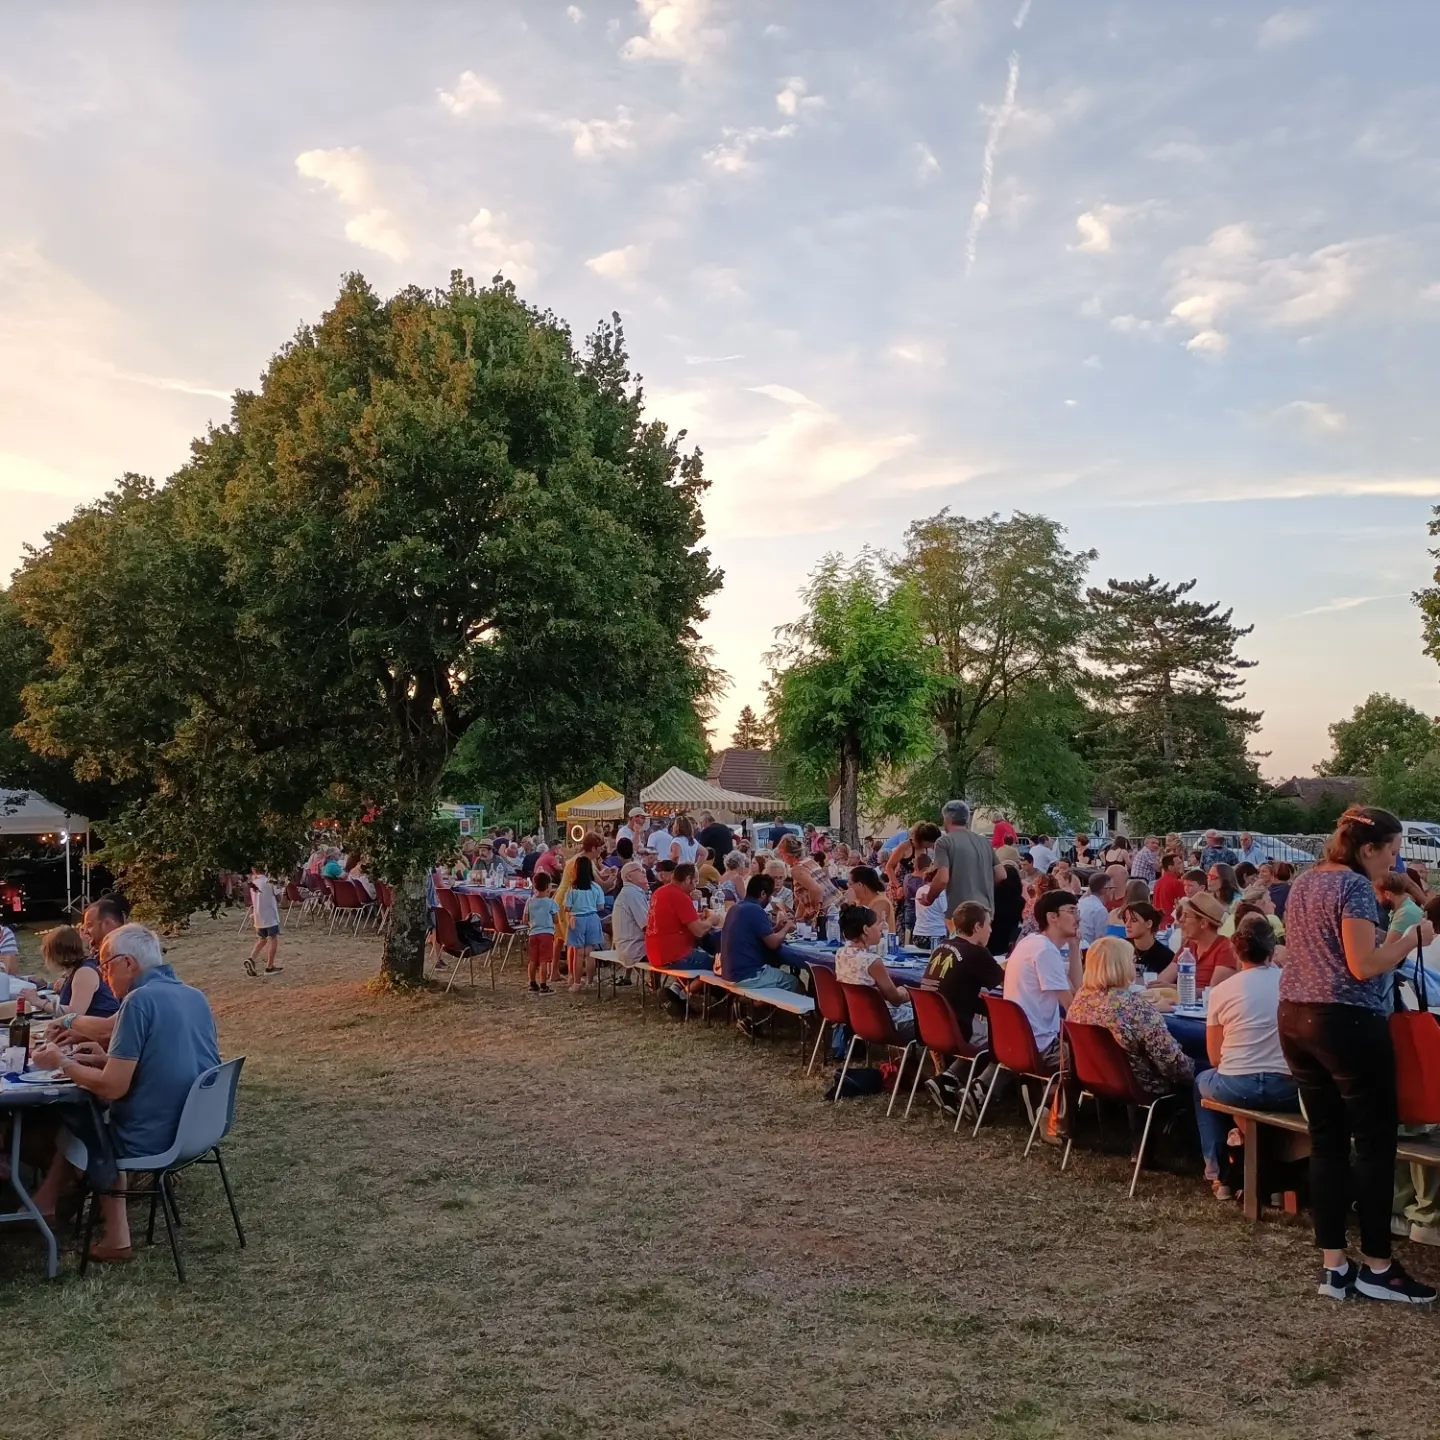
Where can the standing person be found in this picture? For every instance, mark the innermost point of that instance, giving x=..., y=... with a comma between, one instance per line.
x=1146, y=863
x=1215, y=853
x=1249, y=852
x=1242, y=1040
x=930, y=927
x=1169, y=887
x=812, y=888
x=584, y=903
x=265, y=914
x=633, y=829
x=1009, y=902
x=540, y=913
x=683, y=848
x=1001, y=833
x=1335, y=994
x=966, y=868
x=715, y=836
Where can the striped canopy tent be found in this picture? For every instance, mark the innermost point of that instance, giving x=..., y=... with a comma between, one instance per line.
x=598, y=794
x=677, y=792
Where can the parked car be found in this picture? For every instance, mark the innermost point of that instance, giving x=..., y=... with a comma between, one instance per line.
x=1296, y=849
x=1420, y=840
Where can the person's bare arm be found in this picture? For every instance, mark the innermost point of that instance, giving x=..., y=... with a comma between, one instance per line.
x=939, y=879
x=83, y=985
x=107, y=1083
x=1214, y=1036
x=1365, y=959
x=893, y=994
x=778, y=936
x=83, y=1027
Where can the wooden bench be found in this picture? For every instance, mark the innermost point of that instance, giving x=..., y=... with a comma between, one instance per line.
x=1296, y=1146
x=788, y=1002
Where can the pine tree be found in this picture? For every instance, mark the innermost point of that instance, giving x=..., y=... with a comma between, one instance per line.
x=749, y=731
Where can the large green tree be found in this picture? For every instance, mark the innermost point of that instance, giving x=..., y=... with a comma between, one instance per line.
x=1169, y=738
x=852, y=681
x=1000, y=604
x=433, y=514
x=1382, y=729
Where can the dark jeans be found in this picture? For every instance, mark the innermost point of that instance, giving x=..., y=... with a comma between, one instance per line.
x=1343, y=1062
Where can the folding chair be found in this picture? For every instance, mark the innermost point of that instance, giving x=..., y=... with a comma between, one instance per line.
x=870, y=1021
x=1103, y=1071
x=347, y=899
x=1013, y=1048
x=939, y=1032
x=385, y=904
x=503, y=929
x=450, y=942
x=204, y=1123
x=830, y=1002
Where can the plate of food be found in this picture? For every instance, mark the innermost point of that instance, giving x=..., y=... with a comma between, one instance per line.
x=44, y=1077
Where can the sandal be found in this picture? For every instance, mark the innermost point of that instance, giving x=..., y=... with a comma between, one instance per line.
x=103, y=1254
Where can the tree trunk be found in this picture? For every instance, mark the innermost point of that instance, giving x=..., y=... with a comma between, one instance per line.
x=547, y=812
x=403, y=958
x=850, y=789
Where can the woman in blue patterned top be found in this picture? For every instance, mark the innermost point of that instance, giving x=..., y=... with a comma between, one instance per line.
x=1335, y=997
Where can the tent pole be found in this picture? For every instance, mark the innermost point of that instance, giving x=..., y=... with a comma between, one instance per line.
x=67, y=873
x=87, y=867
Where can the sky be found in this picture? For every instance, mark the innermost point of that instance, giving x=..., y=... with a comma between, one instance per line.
x=1165, y=272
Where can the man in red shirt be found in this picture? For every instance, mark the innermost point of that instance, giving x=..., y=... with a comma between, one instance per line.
x=674, y=928
x=1169, y=887
x=1003, y=833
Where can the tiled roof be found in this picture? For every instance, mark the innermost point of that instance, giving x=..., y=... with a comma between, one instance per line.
x=751, y=772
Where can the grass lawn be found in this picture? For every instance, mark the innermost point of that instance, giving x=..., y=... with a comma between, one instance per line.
x=483, y=1215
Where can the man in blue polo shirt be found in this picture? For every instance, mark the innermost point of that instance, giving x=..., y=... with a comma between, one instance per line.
x=164, y=1040
x=750, y=941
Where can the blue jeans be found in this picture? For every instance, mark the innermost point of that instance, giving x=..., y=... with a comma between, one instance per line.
x=1270, y=1091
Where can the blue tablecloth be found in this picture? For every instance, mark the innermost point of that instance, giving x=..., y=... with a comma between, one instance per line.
x=1189, y=1033
x=907, y=967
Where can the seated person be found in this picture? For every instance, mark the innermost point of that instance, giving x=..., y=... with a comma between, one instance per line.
x=1242, y=1039
x=732, y=882
x=631, y=914
x=1044, y=970
x=1393, y=893
x=867, y=888
x=83, y=990
x=1195, y=881
x=674, y=929
x=358, y=875
x=705, y=870
x=1094, y=908
x=1141, y=922
x=164, y=1040
x=9, y=950
x=1201, y=917
x=858, y=962
x=961, y=968
x=750, y=941
x=1105, y=998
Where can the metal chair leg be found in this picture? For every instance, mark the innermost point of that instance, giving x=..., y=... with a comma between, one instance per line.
x=899, y=1077
x=150, y=1228
x=849, y=1051
x=1070, y=1138
x=1040, y=1110
x=1144, y=1140
x=965, y=1099
x=819, y=1040
x=980, y=1120
x=166, y=1204
x=230, y=1196
x=89, y=1227
x=915, y=1083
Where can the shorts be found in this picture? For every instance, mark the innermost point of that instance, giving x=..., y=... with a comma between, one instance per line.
x=541, y=949
x=267, y=932
x=585, y=930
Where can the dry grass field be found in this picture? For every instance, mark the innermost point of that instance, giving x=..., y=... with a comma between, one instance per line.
x=485, y=1215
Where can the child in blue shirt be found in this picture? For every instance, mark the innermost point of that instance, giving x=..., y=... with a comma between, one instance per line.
x=540, y=912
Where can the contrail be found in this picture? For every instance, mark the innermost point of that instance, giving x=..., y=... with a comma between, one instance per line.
x=998, y=122
x=1024, y=14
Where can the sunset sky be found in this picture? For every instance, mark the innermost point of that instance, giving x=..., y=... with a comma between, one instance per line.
x=1164, y=271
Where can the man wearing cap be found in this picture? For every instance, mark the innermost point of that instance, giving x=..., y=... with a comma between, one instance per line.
x=634, y=828
x=1201, y=917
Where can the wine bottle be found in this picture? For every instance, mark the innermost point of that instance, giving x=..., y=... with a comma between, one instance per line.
x=20, y=1031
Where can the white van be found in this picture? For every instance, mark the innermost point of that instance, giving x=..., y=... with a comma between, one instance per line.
x=1420, y=840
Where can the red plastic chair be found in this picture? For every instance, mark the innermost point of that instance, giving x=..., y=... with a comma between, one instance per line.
x=447, y=938
x=504, y=929
x=938, y=1029
x=294, y=896
x=830, y=1003
x=1012, y=1045
x=385, y=899
x=349, y=899
x=1103, y=1071
x=870, y=1021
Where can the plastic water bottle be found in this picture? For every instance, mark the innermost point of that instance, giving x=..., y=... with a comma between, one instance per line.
x=1185, y=978
x=832, y=926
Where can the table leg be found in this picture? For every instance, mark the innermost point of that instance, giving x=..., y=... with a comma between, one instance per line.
x=1252, y=1168
x=52, y=1252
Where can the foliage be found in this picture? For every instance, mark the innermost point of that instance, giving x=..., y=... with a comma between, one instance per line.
x=1381, y=729
x=1410, y=788
x=750, y=732
x=1000, y=606
x=434, y=514
x=1168, y=740
x=1289, y=817
x=852, y=682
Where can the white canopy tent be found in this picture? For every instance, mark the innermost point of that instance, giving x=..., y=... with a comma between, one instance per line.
x=676, y=792
x=27, y=812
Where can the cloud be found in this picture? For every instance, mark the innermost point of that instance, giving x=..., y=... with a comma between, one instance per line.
x=1284, y=27
x=674, y=30
x=593, y=138
x=1208, y=342
x=498, y=251
x=711, y=359
x=1178, y=151
x=622, y=265
x=346, y=173
x=471, y=93
x=1129, y=324
x=1023, y=14
x=575, y=14
x=1346, y=602
x=792, y=99
x=732, y=155
x=1228, y=278
x=1097, y=226
x=998, y=121
x=917, y=352
x=1314, y=415
x=926, y=165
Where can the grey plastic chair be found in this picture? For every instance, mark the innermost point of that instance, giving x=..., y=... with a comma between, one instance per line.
x=204, y=1123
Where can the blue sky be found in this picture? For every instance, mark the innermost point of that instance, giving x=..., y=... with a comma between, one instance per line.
x=1164, y=271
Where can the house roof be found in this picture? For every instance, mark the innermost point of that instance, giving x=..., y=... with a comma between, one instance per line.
x=751, y=772
x=1311, y=789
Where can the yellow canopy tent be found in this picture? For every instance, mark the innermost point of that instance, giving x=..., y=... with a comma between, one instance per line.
x=597, y=794
x=675, y=793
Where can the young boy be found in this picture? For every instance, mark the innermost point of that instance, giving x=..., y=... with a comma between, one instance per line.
x=540, y=913
x=265, y=911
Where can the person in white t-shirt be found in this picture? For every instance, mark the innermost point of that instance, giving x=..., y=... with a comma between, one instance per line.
x=265, y=912
x=1042, y=857
x=930, y=927
x=634, y=829
x=1092, y=909
x=1044, y=970
x=1242, y=1039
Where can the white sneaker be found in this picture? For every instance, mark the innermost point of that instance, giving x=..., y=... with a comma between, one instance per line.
x=1425, y=1234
